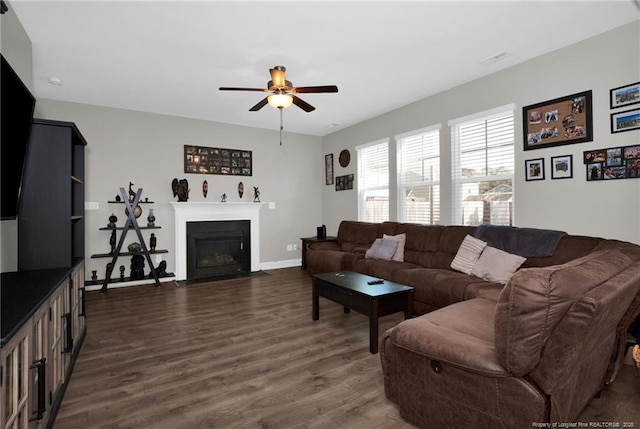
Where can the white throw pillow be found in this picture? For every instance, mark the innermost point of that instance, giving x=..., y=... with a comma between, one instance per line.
x=401, y=239
x=495, y=265
x=468, y=254
x=382, y=249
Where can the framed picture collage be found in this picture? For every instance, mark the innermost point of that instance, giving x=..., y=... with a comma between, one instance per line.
x=613, y=163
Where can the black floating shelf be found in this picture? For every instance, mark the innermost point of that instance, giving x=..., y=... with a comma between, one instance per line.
x=122, y=202
x=116, y=280
x=110, y=255
x=120, y=228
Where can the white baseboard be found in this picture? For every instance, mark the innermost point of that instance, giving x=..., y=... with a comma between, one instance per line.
x=280, y=264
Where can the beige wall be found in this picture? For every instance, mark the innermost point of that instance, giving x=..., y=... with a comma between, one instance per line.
x=609, y=209
x=147, y=149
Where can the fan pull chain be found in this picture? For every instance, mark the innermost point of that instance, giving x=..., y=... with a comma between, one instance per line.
x=281, y=109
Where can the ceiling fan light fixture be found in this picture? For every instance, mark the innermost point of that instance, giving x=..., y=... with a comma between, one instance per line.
x=280, y=101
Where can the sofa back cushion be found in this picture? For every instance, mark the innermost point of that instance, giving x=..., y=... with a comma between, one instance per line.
x=354, y=234
x=536, y=299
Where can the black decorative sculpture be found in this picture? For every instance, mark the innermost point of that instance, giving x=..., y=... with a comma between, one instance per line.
x=223, y=199
x=112, y=221
x=161, y=270
x=152, y=242
x=256, y=195
x=112, y=242
x=180, y=189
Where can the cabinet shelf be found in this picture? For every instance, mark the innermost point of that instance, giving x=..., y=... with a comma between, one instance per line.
x=126, y=279
x=111, y=255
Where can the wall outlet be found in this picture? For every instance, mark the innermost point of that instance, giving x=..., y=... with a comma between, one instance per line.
x=91, y=205
x=289, y=247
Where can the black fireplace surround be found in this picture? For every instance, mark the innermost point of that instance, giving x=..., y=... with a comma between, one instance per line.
x=218, y=249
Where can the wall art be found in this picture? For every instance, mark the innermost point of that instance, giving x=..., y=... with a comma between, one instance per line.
x=613, y=163
x=213, y=160
x=562, y=167
x=625, y=121
x=624, y=95
x=328, y=169
x=561, y=121
x=534, y=169
x=344, y=183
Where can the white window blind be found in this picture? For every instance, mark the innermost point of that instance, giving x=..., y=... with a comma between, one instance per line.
x=419, y=177
x=373, y=182
x=483, y=166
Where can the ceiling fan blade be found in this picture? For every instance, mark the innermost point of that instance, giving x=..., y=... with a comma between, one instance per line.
x=315, y=89
x=227, y=88
x=260, y=105
x=303, y=104
x=277, y=77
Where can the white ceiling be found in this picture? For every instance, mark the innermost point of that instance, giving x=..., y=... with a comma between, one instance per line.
x=170, y=57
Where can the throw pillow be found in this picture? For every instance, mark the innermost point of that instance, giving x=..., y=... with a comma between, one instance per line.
x=382, y=249
x=468, y=254
x=401, y=239
x=495, y=265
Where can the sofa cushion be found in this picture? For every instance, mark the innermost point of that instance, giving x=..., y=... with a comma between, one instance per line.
x=468, y=254
x=495, y=265
x=536, y=299
x=401, y=239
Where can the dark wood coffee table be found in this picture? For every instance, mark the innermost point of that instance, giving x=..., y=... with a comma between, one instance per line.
x=373, y=300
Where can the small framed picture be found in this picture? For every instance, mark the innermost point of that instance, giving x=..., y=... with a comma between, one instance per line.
x=328, y=169
x=625, y=121
x=534, y=169
x=625, y=95
x=562, y=167
x=594, y=171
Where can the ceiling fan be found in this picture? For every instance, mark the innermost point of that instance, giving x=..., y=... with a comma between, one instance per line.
x=283, y=93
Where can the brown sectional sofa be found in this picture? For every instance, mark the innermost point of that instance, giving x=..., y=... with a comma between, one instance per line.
x=482, y=354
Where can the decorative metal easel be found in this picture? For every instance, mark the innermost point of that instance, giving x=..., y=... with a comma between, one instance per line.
x=130, y=222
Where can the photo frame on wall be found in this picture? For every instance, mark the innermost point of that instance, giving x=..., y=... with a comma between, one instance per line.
x=625, y=121
x=562, y=167
x=624, y=95
x=621, y=162
x=534, y=169
x=561, y=121
x=328, y=169
x=214, y=160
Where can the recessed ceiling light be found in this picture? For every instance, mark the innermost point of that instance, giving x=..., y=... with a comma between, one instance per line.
x=333, y=125
x=495, y=58
x=55, y=81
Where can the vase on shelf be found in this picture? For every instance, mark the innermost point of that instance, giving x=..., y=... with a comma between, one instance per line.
x=151, y=219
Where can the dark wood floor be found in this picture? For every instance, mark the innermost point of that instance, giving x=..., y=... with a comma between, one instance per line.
x=243, y=353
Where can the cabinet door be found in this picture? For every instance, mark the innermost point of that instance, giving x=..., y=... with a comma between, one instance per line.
x=15, y=384
x=39, y=380
x=77, y=301
x=56, y=340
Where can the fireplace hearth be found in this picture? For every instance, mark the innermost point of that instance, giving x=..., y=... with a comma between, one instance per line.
x=218, y=249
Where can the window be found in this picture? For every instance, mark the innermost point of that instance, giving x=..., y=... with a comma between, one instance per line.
x=419, y=176
x=482, y=168
x=373, y=182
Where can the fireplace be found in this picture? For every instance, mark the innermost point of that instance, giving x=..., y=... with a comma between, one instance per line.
x=200, y=211
x=218, y=248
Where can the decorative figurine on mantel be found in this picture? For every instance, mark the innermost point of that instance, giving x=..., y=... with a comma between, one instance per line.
x=240, y=189
x=205, y=188
x=224, y=198
x=180, y=189
x=161, y=270
x=112, y=221
x=94, y=275
x=122, y=272
x=256, y=195
x=108, y=270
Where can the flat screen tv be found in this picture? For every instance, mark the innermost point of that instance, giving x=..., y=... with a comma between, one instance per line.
x=16, y=111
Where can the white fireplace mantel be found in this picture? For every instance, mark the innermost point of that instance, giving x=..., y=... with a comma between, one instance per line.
x=202, y=212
